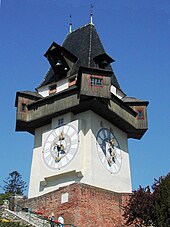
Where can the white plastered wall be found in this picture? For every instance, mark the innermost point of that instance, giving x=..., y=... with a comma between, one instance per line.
x=61, y=85
x=116, y=92
x=44, y=179
x=44, y=91
x=86, y=166
x=94, y=172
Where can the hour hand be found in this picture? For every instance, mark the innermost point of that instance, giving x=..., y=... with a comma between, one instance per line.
x=61, y=149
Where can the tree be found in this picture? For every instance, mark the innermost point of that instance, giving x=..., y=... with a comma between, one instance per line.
x=146, y=208
x=14, y=184
x=139, y=208
x=161, y=201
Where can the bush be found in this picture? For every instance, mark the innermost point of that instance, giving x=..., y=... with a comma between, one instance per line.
x=11, y=224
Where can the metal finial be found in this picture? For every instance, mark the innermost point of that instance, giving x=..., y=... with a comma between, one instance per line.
x=70, y=23
x=91, y=14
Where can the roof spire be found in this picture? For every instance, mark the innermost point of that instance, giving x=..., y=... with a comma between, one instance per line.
x=70, y=23
x=91, y=14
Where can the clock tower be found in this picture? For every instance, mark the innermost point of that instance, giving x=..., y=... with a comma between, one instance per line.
x=81, y=119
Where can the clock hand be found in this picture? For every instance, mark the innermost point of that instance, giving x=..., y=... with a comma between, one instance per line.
x=61, y=136
x=60, y=151
x=112, y=142
x=60, y=147
x=57, y=149
x=108, y=153
x=112, y=154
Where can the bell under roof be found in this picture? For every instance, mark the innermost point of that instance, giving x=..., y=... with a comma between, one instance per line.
x=85, y=44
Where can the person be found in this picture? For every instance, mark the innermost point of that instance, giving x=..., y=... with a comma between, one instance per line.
x=61, y=220
x=52, y=220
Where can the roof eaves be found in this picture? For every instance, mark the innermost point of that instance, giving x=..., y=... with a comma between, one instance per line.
x=30, y=94
x=133, y=100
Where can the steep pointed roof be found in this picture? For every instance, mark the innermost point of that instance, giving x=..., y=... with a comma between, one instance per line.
x=85, y=44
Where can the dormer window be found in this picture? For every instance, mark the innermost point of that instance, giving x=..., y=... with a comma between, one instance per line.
x=57, y=60
x=96, y=81
x=60, y=65
x=52, y=89
x=103, y=60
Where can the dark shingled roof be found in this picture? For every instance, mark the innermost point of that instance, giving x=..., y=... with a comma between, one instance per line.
x=127, y=99
x=49, y=78
x=85, y=44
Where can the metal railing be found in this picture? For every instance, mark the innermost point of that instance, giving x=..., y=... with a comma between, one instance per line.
x=37, y=217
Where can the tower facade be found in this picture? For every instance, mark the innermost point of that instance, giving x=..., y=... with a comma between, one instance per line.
x=80, y=118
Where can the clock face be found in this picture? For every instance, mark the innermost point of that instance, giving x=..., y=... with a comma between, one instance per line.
x=60, y=147
x=109, y=150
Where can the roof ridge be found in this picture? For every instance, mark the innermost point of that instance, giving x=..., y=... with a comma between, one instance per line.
x=90, y=47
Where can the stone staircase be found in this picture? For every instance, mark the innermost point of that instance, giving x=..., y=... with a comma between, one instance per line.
x=25, y=216
x=29, y=218
x=33, y=219
x=21, y=218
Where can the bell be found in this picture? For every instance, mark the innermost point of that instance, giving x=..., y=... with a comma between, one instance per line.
x=59, y=63
x=104, y=64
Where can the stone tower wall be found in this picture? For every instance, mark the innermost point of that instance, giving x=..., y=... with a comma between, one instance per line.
x=82, y=205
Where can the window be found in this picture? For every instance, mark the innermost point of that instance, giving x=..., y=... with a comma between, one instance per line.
x=23, y=107
x=52, y=89
x=64, y=198
x=140, y=115
x=95, y=81
x=61, y=121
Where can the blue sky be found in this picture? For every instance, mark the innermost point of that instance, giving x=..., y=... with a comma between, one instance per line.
x=134, y=33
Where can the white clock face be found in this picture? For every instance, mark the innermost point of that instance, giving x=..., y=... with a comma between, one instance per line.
x=109, y=150
x=61, y=146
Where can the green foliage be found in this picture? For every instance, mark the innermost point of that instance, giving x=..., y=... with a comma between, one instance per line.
x=147, y=208
x=4, y=196
x=161, y=202
x=14, y=184
x=139, y=208
x=11, y=224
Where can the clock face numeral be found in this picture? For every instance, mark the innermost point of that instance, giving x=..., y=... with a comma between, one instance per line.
x=60, y=146
x=109, y=150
